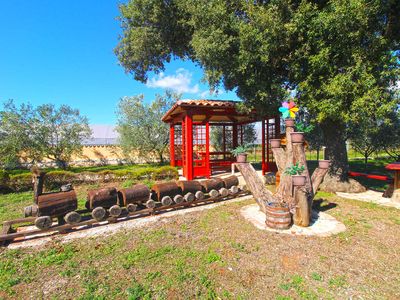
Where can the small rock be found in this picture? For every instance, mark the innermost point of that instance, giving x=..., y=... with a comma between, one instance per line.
x=269, y=178
x=333, y=184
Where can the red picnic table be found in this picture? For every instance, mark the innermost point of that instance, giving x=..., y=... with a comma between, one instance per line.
x=396, y=168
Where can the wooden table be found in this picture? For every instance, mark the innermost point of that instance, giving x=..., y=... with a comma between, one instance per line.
x=396, y=185
x=396, y=168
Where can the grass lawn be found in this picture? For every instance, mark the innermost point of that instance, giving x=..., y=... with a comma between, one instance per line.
x=213, y=254
x=135, y=167
x=216, y=254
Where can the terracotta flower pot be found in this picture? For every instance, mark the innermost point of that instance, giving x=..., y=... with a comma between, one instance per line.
x=297, y=137
x=275, y=143
x=324, y=164
x=289, y=122
x=298, y=180
x=241, y=158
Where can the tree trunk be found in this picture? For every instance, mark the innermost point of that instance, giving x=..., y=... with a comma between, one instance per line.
x=336, y=152
x=61, y=163
x=365, y=161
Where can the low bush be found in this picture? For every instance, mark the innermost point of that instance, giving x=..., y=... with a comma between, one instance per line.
x=4, y=177
x=165, y=172
x=20, y=182
x=55, y=179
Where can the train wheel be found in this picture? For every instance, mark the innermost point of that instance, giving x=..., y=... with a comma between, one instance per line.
x=189, y=197
x=131, y=207
x=166, y=200
x=178, y=199
x=224, y=192
x=213, y=193
x=115, y=211
x=72, y=217
x=199, y=195
x=99, y=213
x=43, y=222
x=150, y=203
x=234, y=190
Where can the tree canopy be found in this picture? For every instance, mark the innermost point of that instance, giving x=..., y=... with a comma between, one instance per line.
x=338, y=57
x=42, y=132
x=140, y=127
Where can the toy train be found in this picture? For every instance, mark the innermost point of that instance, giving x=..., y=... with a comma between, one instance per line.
x=111, y=202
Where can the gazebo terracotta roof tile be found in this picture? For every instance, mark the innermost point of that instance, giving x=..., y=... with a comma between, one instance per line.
x=203, y=102
x=227, y=104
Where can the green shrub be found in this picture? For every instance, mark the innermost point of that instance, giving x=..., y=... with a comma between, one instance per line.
x=165, y=172
x=141, y=174
x=20, y=182
x=127, y=183
x=55, y=179
x=4, y=177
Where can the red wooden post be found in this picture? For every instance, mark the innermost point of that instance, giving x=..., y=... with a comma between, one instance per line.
x=277, y=127
x=267, y=167
x=224, y=140
x=263, y=146
x=235, y=136
x=208, y=167
x=172, y=145
x=189, y=146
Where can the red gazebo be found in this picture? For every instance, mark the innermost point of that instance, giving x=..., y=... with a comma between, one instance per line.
x=190, y=123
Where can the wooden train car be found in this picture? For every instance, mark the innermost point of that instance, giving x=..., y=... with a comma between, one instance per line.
x=110, y=201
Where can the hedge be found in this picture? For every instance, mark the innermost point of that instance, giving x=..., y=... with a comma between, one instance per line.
x=55, y=179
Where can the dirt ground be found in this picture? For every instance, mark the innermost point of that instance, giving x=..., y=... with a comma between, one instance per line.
x=217, y=254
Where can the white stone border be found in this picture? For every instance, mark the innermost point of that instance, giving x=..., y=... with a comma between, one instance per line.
x=322, y=224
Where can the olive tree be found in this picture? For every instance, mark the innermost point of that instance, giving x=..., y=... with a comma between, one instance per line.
x=59, y=133
x=140, y=128
x=34, y=133
x=338, y=56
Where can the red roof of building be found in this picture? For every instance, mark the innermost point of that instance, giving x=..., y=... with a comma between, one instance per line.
x=211, y=106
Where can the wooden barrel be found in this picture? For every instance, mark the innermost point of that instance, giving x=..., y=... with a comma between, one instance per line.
x=57, y=204
x=139, y=193
x=105, y=197
x=189, y=186
x=230, y=181
x=212, y=184
x=278, y=216
x=160, y=190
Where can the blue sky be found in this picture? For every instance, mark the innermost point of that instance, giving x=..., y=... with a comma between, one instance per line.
x=61, y=52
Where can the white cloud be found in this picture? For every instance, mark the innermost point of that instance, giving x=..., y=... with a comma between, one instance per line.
x=180, y=82
x=208, y=93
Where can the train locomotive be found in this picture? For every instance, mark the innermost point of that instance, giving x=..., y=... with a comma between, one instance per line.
x=110, y=202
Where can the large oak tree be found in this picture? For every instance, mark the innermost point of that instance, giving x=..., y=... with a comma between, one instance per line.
x=338, y=56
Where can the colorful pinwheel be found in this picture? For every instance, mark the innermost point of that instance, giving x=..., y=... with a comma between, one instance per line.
x=288, y=110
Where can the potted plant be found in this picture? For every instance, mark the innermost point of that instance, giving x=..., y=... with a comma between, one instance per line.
x=295, y=171
x=297, y=137
x=289, y=122
x=275, y=143
x=240, y=153
x=301, y=130
x=324, y=164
